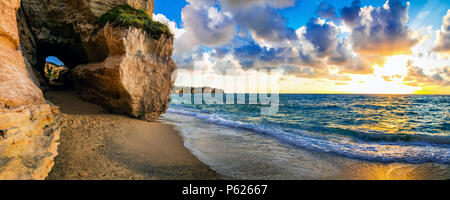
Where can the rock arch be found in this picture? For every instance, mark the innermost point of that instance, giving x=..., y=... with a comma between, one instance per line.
x=123, y=69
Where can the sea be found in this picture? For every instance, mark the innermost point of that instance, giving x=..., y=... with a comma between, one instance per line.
x=315, y=133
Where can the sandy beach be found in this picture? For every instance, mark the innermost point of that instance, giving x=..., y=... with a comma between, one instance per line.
x=245, y=154
x=100, y=146
x=95, y=145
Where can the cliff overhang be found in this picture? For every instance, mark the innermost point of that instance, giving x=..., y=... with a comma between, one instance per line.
x=124, y=67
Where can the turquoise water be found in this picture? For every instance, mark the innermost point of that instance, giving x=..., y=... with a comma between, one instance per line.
x=379, y=128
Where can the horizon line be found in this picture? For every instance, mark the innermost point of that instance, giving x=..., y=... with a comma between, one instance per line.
x=340, y=93
x=337, y=94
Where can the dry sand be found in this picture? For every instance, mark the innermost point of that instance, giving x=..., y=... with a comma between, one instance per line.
x=96, y=145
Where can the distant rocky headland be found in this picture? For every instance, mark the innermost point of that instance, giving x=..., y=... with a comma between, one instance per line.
x=194, y=90
x=122, y=64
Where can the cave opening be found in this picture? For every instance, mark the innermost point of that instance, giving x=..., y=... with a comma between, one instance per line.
x=65, y=58
x=42, y=36
x=55, y=71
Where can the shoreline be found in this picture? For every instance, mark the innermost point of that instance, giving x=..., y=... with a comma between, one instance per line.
x=95, y=145
x=255, y=156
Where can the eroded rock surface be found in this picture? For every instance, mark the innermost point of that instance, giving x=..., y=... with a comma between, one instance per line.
x=63, y=28
x=28, y=129
x=135, y=78
x=121, y=69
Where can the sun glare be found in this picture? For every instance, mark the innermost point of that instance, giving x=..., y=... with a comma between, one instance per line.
x=394, y=66
x=387, y=79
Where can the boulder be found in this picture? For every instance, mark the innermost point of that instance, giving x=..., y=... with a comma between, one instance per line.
x=63, y=28
x=73, y=36
x=135, y=78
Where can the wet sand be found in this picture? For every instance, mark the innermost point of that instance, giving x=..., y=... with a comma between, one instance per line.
x=245, y=154
x=95, y=145
x=100, y=146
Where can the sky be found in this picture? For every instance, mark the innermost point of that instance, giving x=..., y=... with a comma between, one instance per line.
x=339, y=46
x=54, y=60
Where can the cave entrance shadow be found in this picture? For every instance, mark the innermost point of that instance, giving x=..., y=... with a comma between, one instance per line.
x=70, y=56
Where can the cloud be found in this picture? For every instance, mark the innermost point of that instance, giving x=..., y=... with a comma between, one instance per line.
x=220, y=52
x=232, y=4
x=313, y=73
x=302, y=72
x=213, y=23
x=326, y=11
x=187, y=60
x=416, y=77
x=342, y=55
x=328, y=49
x=265, y=24
x=171, y=24
x=253, y=34
x=210, y=32
x=377, y=32
x=253, y=55
x=392, y=77
x=350, y=14
x=357, y=66
x=204, y=24
x=323, y=35
x=341, y=83
x=373, y=34
x=443, y=36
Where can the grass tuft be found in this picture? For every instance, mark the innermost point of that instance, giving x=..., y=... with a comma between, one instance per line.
x=126, y=16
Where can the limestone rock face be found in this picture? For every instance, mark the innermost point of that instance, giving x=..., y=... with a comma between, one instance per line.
x=28, y=129
x=123, y=69
x=98, y=7
x=63, y=28
x=135, y=78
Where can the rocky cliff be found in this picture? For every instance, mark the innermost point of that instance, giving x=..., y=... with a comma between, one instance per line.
x=63, y=28
x=135, y=78
x=120, y=68
x=136, y=74
x=29, y=132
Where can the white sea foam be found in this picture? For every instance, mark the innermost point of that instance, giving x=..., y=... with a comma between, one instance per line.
x=374, y=151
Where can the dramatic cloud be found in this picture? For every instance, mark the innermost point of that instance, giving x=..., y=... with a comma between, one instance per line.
x=443, y=41
x=204, y=24
x=322, y=35
x=342, y=55
x=232, y=4
x=252, y=55
x=187, y=60
x=313, y=73
x=350, y=14
x=326, y=11
x=329, y=49
x=417, y=78
x=223, y=34
x=265, y=24
x=303, y=72
x=377, y=32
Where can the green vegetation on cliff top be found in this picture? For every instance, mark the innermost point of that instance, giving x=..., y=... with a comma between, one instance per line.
x=126, y=16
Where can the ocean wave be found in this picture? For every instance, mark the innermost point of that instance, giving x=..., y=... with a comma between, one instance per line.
x=445, y=126
x=381, y=151
x=378, y=136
